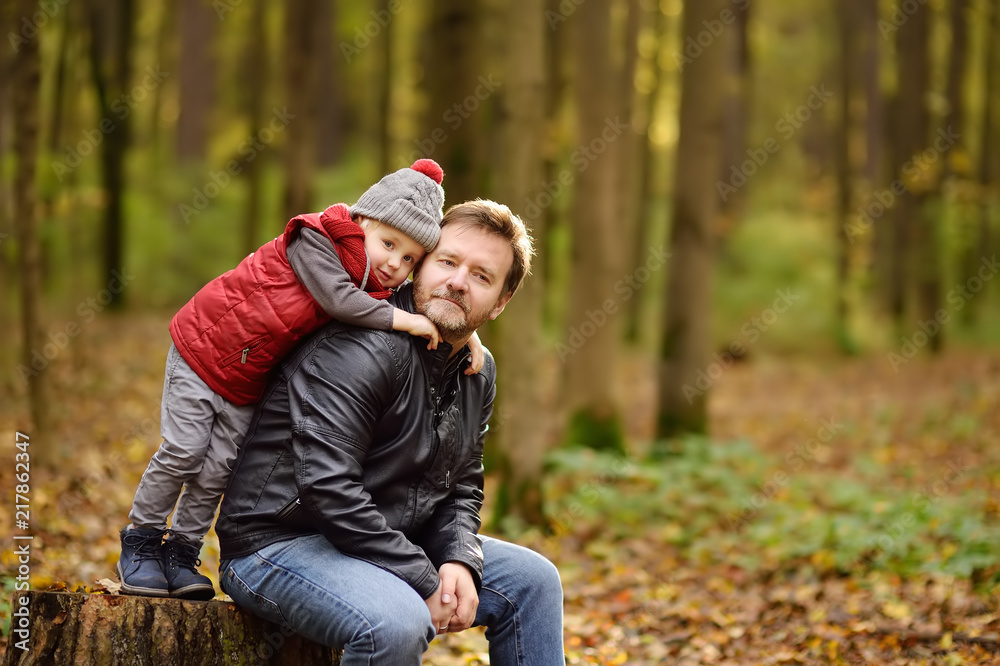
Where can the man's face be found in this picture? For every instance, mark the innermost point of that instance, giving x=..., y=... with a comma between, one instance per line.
x=460, y=284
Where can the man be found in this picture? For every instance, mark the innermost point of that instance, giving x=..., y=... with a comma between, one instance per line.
x=353, y=511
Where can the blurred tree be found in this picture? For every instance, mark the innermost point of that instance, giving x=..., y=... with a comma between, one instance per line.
x=557, y=58
x=7, y=272
x=881, y=228
x=987, y=150
x=63, y=55
x=301, y=55
x=916, y=227
x=255, y=75
x=384, y=85
x=523, y=426
x=163, y=51
x=329, y=93
x=958, y=58
x=686, y=331
x=457, y=92
x=646, y=172
x=26, y=103
x=736, y=85
x=848, y=36
x=111, y=26
x=590, y=350
x=198, y=22
x=626, y=191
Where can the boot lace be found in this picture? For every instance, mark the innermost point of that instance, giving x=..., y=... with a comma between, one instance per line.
x=183, y=554
x=147, y=546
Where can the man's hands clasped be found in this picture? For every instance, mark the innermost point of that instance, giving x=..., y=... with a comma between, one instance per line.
x=453, y=606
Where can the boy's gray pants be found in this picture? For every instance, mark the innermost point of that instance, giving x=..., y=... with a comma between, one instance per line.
x=201, y=433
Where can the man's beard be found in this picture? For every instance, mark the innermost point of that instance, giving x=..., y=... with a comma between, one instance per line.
x=454, y=326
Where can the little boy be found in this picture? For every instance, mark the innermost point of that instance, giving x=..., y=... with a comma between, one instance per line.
x=339, y=264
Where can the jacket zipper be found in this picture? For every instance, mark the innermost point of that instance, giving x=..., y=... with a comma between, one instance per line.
x=286, y=510
x=245, y=352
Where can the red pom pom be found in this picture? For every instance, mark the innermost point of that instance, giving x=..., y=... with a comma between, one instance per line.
x=429, y=168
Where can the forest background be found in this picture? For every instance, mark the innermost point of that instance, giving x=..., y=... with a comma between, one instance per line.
x=748, y=398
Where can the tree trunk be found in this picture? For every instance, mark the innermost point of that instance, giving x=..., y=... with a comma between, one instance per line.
x=626, y=190
x=301, y=80
x=736, y=102
x=8, y=352
x=915, y=222
x=113, y=630
x=522, y=426
x=635, y=312
x=384, y=86
x=110, y=57
x=875, y=136
x=847, y=31
x=557, y=47
x=27, y=83
x=458, y=96
x=255, y=61
x=589, y=344
x=329, y=90
x=198, y=21
x=987, y=155
x=687, y=331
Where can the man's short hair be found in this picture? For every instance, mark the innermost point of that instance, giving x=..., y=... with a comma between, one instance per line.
x=498, y=219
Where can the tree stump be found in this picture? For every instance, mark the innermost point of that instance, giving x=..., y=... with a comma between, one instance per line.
x=111, y=630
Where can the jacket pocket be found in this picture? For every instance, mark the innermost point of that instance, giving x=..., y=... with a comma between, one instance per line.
x=244, y=352
x=286, y=512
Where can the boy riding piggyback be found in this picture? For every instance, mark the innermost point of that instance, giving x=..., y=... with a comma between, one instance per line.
x=339, y=264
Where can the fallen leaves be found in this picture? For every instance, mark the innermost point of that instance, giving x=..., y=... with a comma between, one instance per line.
x=646, y=591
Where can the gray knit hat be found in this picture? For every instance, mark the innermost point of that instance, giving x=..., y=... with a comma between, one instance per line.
x=410, y=200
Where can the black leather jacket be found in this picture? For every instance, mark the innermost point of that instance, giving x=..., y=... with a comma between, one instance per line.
x=375, y=442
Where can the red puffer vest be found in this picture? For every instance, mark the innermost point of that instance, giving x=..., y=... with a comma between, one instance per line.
x=242, y=323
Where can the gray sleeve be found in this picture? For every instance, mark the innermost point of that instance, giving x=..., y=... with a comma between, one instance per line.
x=317, y=265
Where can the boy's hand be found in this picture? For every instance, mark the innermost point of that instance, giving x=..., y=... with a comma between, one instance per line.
x=476, y=347
x=416, y=324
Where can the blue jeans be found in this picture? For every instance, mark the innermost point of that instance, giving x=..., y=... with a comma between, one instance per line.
x=308, y=586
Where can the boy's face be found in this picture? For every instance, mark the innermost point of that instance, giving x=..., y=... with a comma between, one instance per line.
x=393, y=254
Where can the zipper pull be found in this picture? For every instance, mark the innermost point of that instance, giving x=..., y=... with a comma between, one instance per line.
x=245, y=352
x=447, y=478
